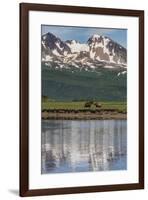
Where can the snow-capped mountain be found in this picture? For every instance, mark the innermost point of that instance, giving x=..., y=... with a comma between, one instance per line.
x=53, y=46
x=99, y=51
x=103, y=48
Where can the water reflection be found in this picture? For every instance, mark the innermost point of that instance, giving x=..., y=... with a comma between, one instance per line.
x=78, y=146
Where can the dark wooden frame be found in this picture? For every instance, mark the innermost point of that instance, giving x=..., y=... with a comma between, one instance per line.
x=24, y=99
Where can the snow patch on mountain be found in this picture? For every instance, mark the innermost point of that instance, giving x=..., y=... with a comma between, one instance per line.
x=93, y=67
x=121, y=73
x=58, y=45
x=47, y=58
x=92, y=54
x=55, y=52
x=109, y=66
x=77, y=47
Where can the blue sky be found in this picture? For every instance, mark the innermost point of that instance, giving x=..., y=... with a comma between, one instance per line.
x=83, y=33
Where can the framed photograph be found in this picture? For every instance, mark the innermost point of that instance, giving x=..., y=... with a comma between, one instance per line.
x=81, y=99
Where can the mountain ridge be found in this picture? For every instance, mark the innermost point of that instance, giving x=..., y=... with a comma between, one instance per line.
x=98, y=51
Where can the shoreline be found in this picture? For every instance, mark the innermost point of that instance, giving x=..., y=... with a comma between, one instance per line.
x=83, y=115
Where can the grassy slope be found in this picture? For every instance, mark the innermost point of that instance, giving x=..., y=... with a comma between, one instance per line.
x=121, y=106
x=104, y=85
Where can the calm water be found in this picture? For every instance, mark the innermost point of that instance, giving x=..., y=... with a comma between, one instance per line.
x=80, y=146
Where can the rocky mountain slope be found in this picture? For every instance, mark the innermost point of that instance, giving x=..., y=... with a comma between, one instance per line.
x=98, y=51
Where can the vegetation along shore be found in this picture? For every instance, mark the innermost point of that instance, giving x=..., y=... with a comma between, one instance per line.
x=83, y=110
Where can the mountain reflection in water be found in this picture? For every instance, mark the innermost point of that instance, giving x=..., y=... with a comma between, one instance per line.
x=81, y=146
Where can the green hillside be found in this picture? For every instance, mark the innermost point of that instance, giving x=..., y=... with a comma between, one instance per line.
x=65, y=85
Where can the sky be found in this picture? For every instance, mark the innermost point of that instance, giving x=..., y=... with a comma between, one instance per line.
x=83, y=33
